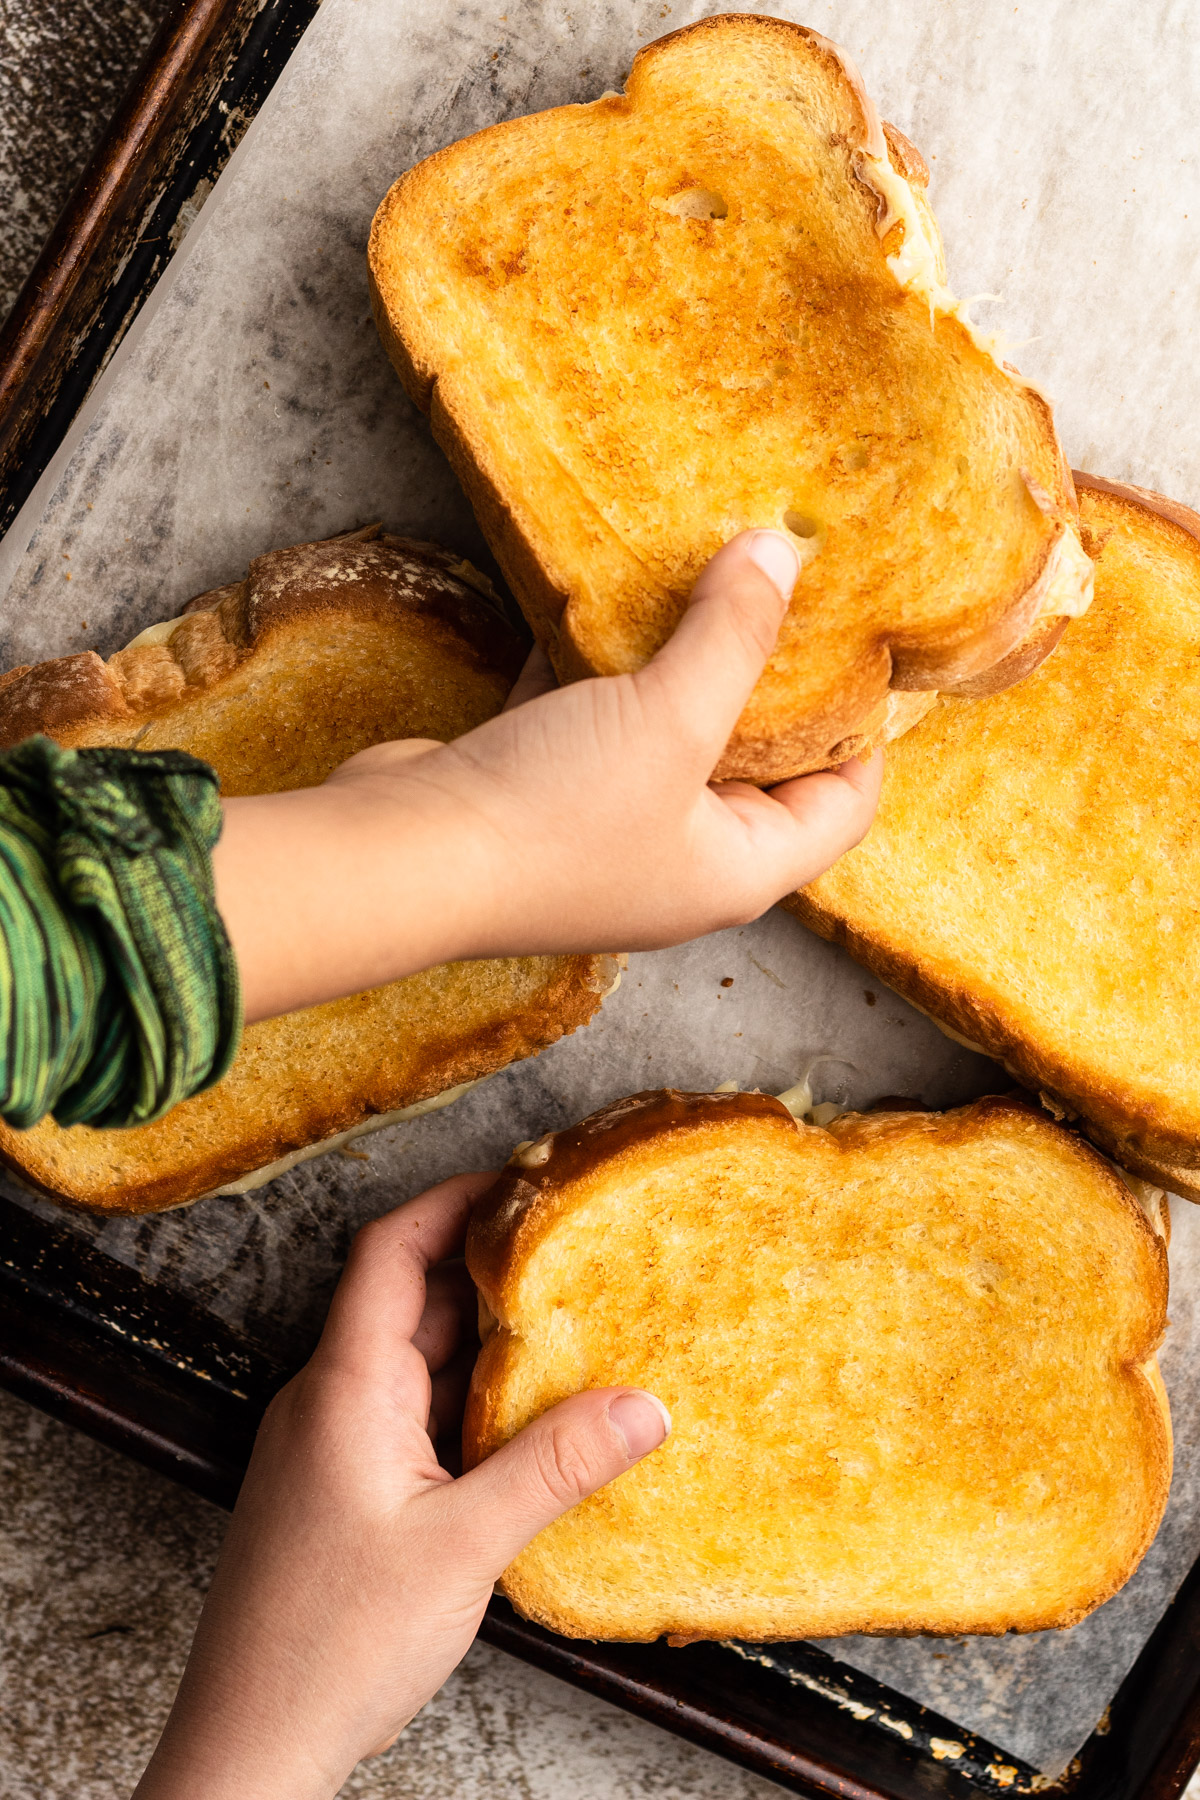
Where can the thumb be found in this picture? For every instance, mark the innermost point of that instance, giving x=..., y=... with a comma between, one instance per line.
x=557, y=1461
x=710, y=664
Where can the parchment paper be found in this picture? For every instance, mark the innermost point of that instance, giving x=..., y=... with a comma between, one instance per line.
x=251, y=406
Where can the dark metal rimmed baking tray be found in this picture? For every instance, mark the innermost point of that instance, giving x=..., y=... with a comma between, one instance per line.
x=155, y=1375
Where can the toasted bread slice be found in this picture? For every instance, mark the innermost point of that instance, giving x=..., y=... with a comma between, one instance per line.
x=323, y=649
x=910, y=1361
x=1031, y=879
x=717, y=301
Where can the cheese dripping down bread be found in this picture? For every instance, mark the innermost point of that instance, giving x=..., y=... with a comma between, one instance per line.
x=909, y=1359
x=1031, y=878
x=323, y=649
x=717, y=301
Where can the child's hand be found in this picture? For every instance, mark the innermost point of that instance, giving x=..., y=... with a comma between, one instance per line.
x=356, y=1570
x=580, y=819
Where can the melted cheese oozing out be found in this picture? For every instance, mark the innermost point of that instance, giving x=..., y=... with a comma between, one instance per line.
x=956, y=1037
x=1151, y=1199
x=1068, y=590
x=531, y=1153
x=799, y=1101
x=915, y=264
x=1071, y=580
x=155, y=634
x=260, y=1177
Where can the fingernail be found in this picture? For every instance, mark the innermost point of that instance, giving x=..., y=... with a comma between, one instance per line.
x=641, y=1420
x=771, y=552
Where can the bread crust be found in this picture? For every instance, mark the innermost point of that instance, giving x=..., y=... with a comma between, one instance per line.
x=522, y=1200
x=362, y=574
x=1116, y=1117
x=546, y=1181
x=1000, y=642
x=1042, y=637
x=198, y=1148
x=273, y=679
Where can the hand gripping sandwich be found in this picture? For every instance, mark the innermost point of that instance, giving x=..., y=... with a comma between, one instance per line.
x=910, y=1363
x=719, y=300
x=323, y=649
x=1031, y=879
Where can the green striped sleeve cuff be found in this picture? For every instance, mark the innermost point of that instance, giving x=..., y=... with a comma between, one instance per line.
x=119, y=991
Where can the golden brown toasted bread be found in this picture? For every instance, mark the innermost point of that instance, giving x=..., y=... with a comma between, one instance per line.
x=323, y=649
x=716, y=301
x=910, y=1362
x=1031, y=879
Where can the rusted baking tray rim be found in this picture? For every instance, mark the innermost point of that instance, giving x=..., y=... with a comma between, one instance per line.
x=155, y=1376
x=205, y=75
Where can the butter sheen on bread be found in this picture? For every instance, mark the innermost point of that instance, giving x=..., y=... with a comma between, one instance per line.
x=1031, y=878
x=910, y=1362
x=717, y=301
x=323, y=649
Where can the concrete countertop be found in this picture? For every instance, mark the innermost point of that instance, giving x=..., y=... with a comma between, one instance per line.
x=103, y=1566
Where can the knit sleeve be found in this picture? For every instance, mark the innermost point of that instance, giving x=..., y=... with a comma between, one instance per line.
x=119, y=991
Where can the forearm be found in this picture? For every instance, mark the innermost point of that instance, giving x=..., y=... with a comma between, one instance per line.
x=327, y=891
x=210, y=1760
x=248, y=1722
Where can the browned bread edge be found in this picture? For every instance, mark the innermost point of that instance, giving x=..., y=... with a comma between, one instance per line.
x=567, y=1001
x=1004, y=652
x=514, y=1215
x=220, y=630
x=498, y=1237
x=1110, y=1115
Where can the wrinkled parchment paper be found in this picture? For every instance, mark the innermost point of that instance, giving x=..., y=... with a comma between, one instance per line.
x=251, y=406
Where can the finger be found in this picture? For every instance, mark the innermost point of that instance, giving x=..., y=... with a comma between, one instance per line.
x=449, y=1395
x=799, y=829
x=381, y=1296
x=450, y=1314
x=834, y=809
x=710, y=664
x=573, y=1449
x=383, y=758
x=537, y=677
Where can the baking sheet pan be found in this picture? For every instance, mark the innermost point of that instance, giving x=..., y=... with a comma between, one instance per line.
x=251, y=405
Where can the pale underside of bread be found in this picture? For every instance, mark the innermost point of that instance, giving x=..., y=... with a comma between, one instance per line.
x=910, y=1362
x=323, y=649
x=643, y=325
x=1031, y=879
